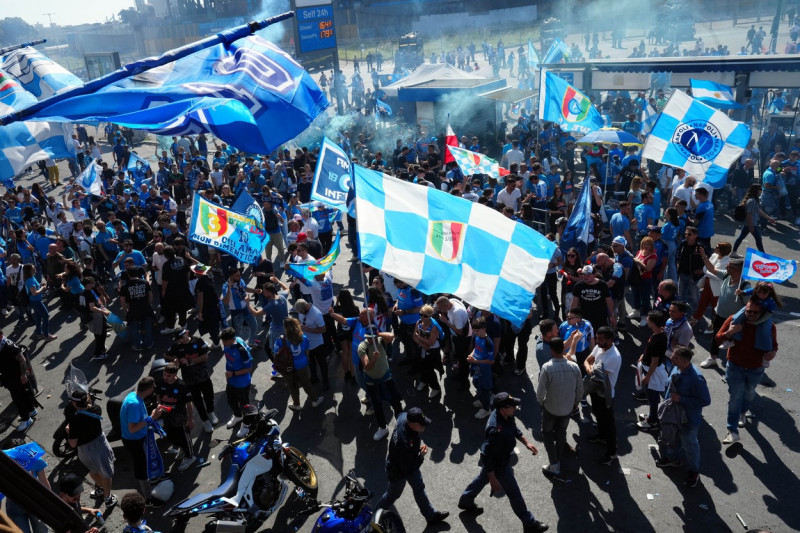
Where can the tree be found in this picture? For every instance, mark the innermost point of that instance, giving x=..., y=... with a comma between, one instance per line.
x=14, y=30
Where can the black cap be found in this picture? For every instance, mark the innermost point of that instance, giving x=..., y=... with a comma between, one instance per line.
x=78, y=395
x=416, y=415
x=180, y=333
x=71, y=485
x=504, y=399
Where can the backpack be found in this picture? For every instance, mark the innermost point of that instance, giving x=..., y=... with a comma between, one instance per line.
x=740, y=213
x=271, y=221
x=284, y=362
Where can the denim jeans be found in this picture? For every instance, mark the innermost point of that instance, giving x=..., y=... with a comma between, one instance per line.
x=690, y=447
x=28, y=523
x=743, y=234
x=641, y=296
x=41, y=317
x=554, y=435
x=505, y=476
x=134, y=326
x=244, y=319
x=688, y=291
x=395, y=490
x=742, y=384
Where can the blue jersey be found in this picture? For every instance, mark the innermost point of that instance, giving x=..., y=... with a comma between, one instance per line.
x=237, y=357
x=584, y=326
x=408, y=298
x=299, y=351
x=484, y=351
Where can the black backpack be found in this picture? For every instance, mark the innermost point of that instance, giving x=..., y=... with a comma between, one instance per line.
x=740, y=213
x=271, y=222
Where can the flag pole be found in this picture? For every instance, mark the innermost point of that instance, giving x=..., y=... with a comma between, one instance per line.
x=138, y=67
x=13, y=47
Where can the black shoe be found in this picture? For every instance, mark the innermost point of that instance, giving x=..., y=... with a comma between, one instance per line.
x=641, y=396
x=474, y=510
x=536, y=527
x=596, y=439
x=607, y=459
x=438, y=516
x=668, y=463
x=692, y=479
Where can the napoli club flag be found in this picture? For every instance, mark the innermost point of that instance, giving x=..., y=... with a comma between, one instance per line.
x=764, y=267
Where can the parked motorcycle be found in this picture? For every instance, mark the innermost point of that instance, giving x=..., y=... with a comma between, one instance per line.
x=353, y=513
x=257, y=482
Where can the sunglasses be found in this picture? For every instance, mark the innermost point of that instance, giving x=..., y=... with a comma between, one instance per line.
x=426, y=316
x=571, y=255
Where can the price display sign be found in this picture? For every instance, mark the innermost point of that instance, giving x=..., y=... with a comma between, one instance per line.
x=315, y=28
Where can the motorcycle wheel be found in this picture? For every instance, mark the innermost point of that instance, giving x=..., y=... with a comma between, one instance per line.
x=61, y=447
x=299, y=470
x=389, y=522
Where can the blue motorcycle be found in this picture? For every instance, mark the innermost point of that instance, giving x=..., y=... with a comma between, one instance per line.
x=353, y=513
x=257, y=483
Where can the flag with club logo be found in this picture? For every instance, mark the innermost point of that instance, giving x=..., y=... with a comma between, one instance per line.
x=558, y=51
x=332, y=176
x=240, y=234
x=474, y=163
x=90, y=179
x=307, y=271
x=648, y=118
x=563, y=104
x=714, y=94
x=764, y=267
x=450, y=139
x=440, y=243
x=37, y=73
x=248, y=93
x=697, y=138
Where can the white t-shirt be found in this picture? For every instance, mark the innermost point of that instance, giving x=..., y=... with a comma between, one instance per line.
x=216, y=177
x=14, y=275
x=514, y=157
x=611, y=361
x=313, y=318
x=322, y=293
x=458, y=316
x=158, y=264
x=683, y=193
x=677, y=182
x=311, y=228
x=509, y=199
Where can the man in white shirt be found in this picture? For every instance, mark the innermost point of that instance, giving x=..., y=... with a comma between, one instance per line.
x=513, y=156
x=510, y=196
x=310, y=225
x=685, y=192
x=313, y=324
x=604, y=359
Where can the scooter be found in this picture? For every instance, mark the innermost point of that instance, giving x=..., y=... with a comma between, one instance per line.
x=257, y=482
x=353, y=513
x=75, y=380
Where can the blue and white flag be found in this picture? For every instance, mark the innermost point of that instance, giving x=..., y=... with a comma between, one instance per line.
x=383, y=107
x=248, y=93
x=565, y=105
x=714, y=94
x=648, y=118
x=558, y=51
x=332, y=177
x=764, y=267
x=697, y=138
x=308, y=271
x=155, y=463
x=238, y=233
x=576, y=232
x=533, y=57
x=90, y=179
x=37, y=73
x=441, y=243
x=137, y=167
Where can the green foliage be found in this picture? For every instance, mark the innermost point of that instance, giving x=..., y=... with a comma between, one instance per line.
x=14, y=30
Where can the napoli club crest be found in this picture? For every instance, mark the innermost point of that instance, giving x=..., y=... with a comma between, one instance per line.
x=446, y=237
x=699, y=141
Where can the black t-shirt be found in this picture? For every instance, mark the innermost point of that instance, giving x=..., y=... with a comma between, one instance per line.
x=10, y=371
x=140, y=238
x=205, y=287
x=656, y=347
x=592, y=300
x=626, y=176
x=86, y=424
x=176, y=273
x=192, y=373
x=137, y=293
x=176, y=396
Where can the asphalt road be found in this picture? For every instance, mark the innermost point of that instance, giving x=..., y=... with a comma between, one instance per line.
x=755, y=478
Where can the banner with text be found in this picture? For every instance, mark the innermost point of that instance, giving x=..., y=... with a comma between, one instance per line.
x=226, y=230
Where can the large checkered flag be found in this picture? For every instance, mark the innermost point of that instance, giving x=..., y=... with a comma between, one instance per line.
x=474, y=163
x=697, y=138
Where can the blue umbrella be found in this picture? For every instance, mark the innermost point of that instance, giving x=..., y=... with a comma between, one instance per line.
x=610, y=136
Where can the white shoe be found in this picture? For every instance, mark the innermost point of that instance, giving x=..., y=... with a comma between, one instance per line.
x=217, y=346
x=382, y=432
x=730, y=438
x=483, y=413
x=213, y=419
x=726, y=344
x=421, y=385
x=208, y=427
x=179, y=455
x=244, y=430
x=317, y=402
x=434, y=393
x=477, y=403
x=708, y=331
x=233, y=421
x=708, y=363
x=369, y=412
x=25, y=425
x=643, y=322
x=742, y=420
x=186, y=463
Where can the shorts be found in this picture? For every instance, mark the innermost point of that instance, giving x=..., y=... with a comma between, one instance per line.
x=98, y=456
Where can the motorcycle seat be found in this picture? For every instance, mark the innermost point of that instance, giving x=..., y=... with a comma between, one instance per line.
x=227, y=486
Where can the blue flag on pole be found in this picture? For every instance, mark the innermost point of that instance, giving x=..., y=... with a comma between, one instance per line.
x=37, y=73
x=533, y=57
x=648, y=118
x=576, y=233
x=440, y=243
x=714, y=94
x=332, y=177
x=307, y=271
x=249, y=93
x=697, y=138
x=90, y=179
x=238, y=233
x=565, y=105
x=764, y=267
x=558, y=51
x=383, y=107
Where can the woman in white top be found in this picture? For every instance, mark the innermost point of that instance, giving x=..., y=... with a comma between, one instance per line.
x=710, y=283
x=14, y=286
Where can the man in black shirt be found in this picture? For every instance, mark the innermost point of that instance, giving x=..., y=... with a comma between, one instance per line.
x=14, y=377
x=208, y=312
x=191, y=353
x=137, y=300
x=175, y=405
x=594, y=298
x=627, y=174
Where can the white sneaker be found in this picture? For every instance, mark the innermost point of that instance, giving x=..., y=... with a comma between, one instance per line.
x=434, y=393
x=708, y=363
x=369, y=412
x=208, y=427
x=552, y=469
x=483, y=413
x=213, y=419
x=477, y=403
x=186, y=463
x=742, y=420
x=317, y=402
x=217, y=346
x=233, y=421
x=730, y=438
x=643, y=322
x=244, y=430
x=421, y=385
x=382, y=432
x=726, y=344
x=25, y=425
x=708, y=331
